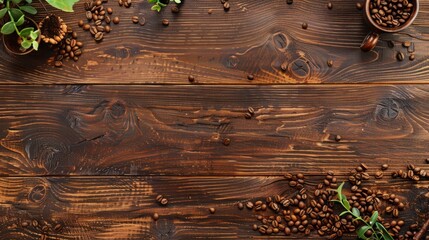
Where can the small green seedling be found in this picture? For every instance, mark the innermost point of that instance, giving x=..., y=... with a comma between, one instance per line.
x=159, y=4
x=378, y=231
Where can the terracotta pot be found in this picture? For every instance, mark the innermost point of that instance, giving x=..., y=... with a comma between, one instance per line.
x=10, y=41
x=371, y=39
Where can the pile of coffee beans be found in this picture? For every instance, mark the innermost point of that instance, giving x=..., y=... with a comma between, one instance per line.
x=250, y=113
x=100, y=18
x=310, y=209
x=125, y=3
x=68, y=48
x=391, y=13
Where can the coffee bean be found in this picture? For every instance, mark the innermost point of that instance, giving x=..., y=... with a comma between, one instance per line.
x=293, y=183
x=155, y=216
x=250, y=77
x=240, y=205
x=283, y=67
x=226, y=141
x=88, y=15
x=164, y=201
x=86, y=27
x=120, y=3
x=330, y=63
x=212, y=210
x=304, y=25
x=98, y=23
x=127, y=3
x=412, y=57
x=165, y=22
x=379, y=175
x=395, y=212
x=107, y=28
x=406, y=44
x=255, y=227
x=107, y=19
x=226, y=6
x=191, y=78
x=142, y=21
x=175, y=9
x=384, y=167
x=359, y=6
x=337, y=138
x=116, y=20
x=330, y=5
x=364, y=166
x=109, y=10
x=100, y=28
x=247, y=115
x=289, y=2
x=251, y=110
x=135, y=19
x=249, y=205
x=210, y=11
x=80, y=23
x=93, y=30
x=35, y=223
x=78, y=52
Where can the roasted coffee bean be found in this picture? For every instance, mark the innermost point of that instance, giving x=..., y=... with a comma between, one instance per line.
x=384, y=167
x=142, y=21
x=98, y=23
x=107, y=28
x=330, y=63
x=292, y=183
x=127, y=3
x=116, y=20
x=109, y=10
x=165, y=22
x=359, y=6
x=252, y=112
x=395, y=212
x=250, y=77
x=120, y=3
x=304, y=25
x=240, y=205
x=86, y=27
x=412, y=57
x=175, y=9
x=93, y=30
x=88, y=15
x=155, y=216
x=289, y=2
x=212, y=210
x=135, y=19
x=406, y=44
x=107, y=20
x=78, y=52
x=249, y=205
x=400, y=56
x=255, y=227
x=330, y=5
x=164, y=201
x=80, y=23
x=379, y=175
x=100, y=28
x=226, y=6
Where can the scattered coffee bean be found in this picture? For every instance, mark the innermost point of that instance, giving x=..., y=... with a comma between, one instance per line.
x=330, y=5
x=165, y=22
x=24, y=224
x=400, y=56
x=247, y=115
x=58, y=63
x=116, y=20
x=226, y=6
x=304, y=25
x=191, y=78
x=109, y=10
x=155, y=216
x=251, y=110
x=406, y=44
x=240, y=205
x=359, y=6
x=142, y=21
x=86, y=27
x=379, y=175
x=212, y=210
x=226, y=141
x=289, y=2
x=391, y=44
x=175, y=9
x=249, y=205
x=412, y=57
x=283, y=67
x=210, y=11
x=384, y=167
x=250, y=77
x=337, y=138
x=330, y=63
x=164, y=201
x=135, y=19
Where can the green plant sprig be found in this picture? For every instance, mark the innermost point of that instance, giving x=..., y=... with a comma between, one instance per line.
x=379, y=232
x=158, y=5
x=16, y=19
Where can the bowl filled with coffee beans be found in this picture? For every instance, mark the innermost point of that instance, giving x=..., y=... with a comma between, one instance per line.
x=387, y=16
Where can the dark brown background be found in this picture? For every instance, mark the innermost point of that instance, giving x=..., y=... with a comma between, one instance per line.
x=88, y=146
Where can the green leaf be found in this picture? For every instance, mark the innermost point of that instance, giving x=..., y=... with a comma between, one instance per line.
x=3, y=12
x=20, y=21
x=65, y=5
x=34, y=35
x=26, y=44
x=361, y=231
x=16, y=13
x=346, y=204
x=152, y=1
x=16, y=1
x=339, y=189
x=1, y=1
x=161, y=4
x=373, y=218
x=35, y=45
x=356, y=212
x=29, y=9
x=8, y=28
x=386, y=235
x=26, y=32
x=156, y=8
x=29, y=1
x=177, y=1
x=343, y=213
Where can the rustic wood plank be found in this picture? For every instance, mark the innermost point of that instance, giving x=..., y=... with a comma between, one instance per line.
x=223, y=48
x=179, y=130
x=121, y=207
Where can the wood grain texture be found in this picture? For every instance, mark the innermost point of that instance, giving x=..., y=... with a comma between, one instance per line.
x=223, y=48
x=179, y=130
x=121, y=207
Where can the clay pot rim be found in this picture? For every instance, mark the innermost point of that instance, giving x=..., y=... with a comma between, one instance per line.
x=28, y=50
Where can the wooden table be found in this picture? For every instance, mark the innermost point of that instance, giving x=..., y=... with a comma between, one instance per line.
x=86, y=148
